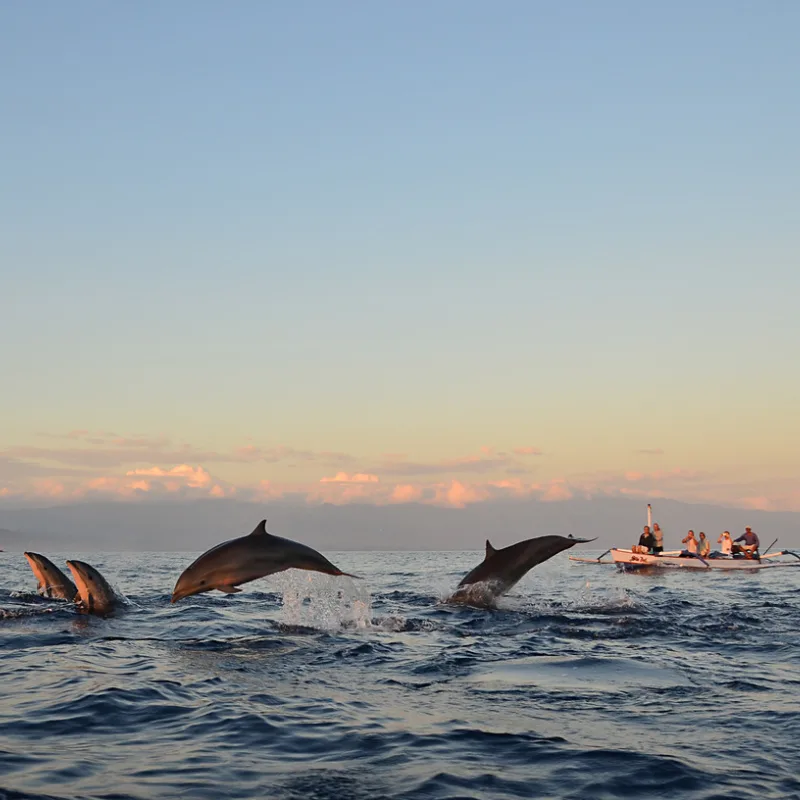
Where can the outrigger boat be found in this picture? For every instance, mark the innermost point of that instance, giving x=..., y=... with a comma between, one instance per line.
x=628, y=560
x=631, y=560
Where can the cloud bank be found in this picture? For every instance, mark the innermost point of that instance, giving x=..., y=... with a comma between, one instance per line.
x=81, y=465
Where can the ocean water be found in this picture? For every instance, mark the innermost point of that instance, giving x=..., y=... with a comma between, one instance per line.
x=583, y=683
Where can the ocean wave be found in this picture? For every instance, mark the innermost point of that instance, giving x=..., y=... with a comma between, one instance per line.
x=307, y=686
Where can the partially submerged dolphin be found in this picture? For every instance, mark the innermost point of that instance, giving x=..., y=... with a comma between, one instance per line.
x=248, y=558
x=501, y=569
x=53, y=583
x=95, y=596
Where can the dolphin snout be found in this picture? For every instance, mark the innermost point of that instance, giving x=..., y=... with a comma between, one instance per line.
x=186, y=587
x=179, y=594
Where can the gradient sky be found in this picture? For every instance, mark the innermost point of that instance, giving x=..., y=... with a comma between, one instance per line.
x=292, y=241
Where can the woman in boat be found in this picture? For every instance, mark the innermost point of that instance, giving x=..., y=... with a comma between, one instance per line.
x=703, y=546
x=725, y=543
x=690, y=542
x=658, y=535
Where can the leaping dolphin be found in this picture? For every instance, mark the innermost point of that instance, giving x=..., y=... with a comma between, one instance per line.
x=501, y=569
x=95, y=594
x=246, y=559
x=53, y=582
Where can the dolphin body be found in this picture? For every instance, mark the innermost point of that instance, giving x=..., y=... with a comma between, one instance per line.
x=246, y=559
x=501, y=569
x=53, y=583
x=95, y=596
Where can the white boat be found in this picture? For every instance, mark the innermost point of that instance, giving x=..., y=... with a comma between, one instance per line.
x=628, y=560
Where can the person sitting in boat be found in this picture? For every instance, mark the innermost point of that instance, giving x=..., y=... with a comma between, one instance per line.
x=703, y=546
x=647, y=540
x=691, y=544
x=750, y=546
x=725, y=543
x=658, y=535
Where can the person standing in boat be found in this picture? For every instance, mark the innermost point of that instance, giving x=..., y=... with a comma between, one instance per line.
x=725, y=542
x=658, y=535
x=690, y=542
x=647, y=540
x=751, y=543
x=703, y=546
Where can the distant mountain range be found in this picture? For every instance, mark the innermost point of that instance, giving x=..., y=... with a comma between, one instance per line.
x=197, y=525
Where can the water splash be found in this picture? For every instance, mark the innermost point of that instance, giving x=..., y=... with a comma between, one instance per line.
x=314, y=600
x=483, y=594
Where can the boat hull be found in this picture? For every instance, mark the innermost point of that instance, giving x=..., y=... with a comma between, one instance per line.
x=629, y=561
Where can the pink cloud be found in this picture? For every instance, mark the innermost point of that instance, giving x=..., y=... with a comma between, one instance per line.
x=266, y=490
x=182, y=479
x=49, y=488
x=342, y=492
x=515, y=485
x=458, y=495
x=556, y=491
x=139, y=451
x=114, y=485
x=194, y=476
x=195, y=481
x=131, y=465
x=103, y=483
x=406, y=493
x=358, y=477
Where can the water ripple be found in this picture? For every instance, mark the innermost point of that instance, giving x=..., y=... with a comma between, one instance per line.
x=582, y=683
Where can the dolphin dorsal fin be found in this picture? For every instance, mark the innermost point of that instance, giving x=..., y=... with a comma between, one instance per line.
x=490, y=551
x=260, y=529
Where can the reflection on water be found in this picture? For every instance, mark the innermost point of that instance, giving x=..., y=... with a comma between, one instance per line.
x=583, y=683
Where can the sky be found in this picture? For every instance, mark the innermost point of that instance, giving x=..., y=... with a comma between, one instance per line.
x=390, y=252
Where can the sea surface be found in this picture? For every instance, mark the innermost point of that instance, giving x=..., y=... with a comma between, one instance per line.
x=583, y=683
